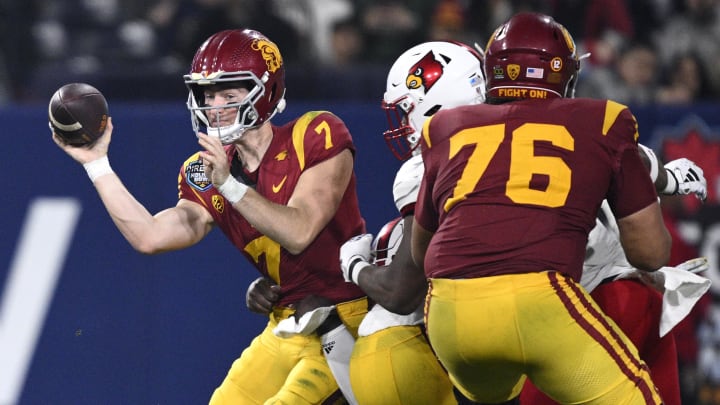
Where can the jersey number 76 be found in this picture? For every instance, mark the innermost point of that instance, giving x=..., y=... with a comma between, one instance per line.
x=523, y=162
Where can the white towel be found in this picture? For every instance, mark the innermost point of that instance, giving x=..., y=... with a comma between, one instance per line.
x=681, y=289
x=306, y=325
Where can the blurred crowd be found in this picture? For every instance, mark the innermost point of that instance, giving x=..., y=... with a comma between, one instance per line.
x=640, y=51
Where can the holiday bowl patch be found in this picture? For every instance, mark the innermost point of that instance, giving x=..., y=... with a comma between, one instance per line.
x=195, y=175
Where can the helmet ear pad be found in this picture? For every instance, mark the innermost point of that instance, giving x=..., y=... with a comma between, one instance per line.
x=531, y=56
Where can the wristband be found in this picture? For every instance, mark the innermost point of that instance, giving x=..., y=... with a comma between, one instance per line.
x=672, y=186
x=361, y=264
x=97, y=168
x=232, y=189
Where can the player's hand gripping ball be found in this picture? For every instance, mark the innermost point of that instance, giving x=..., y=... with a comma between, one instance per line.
x=78, y=113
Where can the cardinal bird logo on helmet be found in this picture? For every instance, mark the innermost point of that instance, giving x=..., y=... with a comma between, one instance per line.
x=425, y=73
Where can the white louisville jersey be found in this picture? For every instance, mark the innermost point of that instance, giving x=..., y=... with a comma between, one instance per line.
x=605, y=260
x=385, y=246
x=604, y=255
x=407, y=183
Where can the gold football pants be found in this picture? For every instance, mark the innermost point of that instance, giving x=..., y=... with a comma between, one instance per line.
x=491, y=333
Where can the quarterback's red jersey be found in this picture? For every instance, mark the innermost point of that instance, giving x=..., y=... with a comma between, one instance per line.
x=516, y=187
x=295, y=147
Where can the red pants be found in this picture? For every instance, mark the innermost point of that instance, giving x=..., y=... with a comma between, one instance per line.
x=636, y=308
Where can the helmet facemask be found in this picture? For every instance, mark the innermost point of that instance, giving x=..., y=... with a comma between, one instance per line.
x=402, y=139
x=245, y=118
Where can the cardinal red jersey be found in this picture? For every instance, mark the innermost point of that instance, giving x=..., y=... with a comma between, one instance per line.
x=295, y=147
x=515, y=188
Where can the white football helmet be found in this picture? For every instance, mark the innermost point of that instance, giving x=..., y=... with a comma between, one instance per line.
x=387, y=241
x=424, y=79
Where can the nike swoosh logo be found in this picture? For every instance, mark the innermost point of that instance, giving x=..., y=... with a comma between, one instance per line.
x=279, y=186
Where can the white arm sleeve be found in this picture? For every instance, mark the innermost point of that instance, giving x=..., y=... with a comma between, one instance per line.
x=407, y=182
x=654, y=165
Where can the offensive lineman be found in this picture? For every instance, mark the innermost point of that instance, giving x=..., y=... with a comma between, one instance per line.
x=509, y=195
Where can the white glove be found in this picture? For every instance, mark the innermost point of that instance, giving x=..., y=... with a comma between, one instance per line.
x=680, y=286
x=657, y=279
x=355, y=255
x=306, y=325
x=685, y=177
x=696, y=265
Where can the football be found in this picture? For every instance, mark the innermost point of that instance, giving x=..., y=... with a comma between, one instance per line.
x=78, y=113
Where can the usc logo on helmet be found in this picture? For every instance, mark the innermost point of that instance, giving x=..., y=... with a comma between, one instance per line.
x=269, y=52
x=425, y=73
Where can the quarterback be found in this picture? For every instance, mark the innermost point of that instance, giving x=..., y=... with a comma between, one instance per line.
x=284, y=196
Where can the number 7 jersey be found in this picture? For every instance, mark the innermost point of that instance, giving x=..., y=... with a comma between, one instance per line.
x=295, y=147
x=516, y=187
